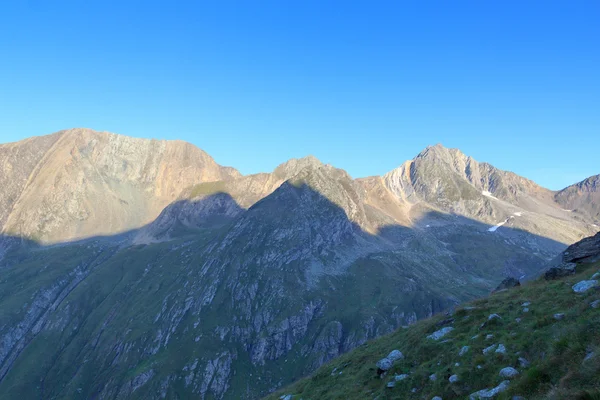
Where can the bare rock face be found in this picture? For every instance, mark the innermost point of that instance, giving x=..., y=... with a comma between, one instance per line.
x=80, y=183
x=586, y=251
x=583, y=197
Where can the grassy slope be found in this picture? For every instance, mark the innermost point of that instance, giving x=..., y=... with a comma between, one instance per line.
x=554, y=348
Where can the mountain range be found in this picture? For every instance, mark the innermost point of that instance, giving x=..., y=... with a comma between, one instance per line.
x=135, y=268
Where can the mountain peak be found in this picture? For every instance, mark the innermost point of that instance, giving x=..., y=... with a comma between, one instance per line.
x=295, y=165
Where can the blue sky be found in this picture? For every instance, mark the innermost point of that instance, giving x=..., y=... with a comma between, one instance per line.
x=361, y=85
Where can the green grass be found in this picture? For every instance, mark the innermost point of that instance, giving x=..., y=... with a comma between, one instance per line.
x=555, y=349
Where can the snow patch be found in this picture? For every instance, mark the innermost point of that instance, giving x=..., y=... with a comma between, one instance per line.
x=488, y=194
x=567, y=210
x=518, y=214
x=495, y=227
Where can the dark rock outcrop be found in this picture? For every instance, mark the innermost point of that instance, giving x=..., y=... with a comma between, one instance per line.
x=585, y=251
x=508, y=283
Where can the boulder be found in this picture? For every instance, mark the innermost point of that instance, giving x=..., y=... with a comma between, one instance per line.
x=463, y=351
x=561, y=271
x=433, y=377
x=595, y=304
x=508, y=372
x=436, y=398
x=400, y=377
x=501, y=349
x=437, y=335
x=559, y=316
x=453, y=378
x=395, y=355
x=508, y=283
x=391, y=384
x=489, y=349
x=490, y=393
x=384, y=365
x=584, y=286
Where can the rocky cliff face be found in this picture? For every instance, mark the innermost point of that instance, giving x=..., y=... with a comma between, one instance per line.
x=80, y=183
x=582, y=197
x=244, y=283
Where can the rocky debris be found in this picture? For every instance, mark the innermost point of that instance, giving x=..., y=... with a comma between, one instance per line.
x=436, y=398
x=518, y=320
x=489, y=337
x=463, y=351
x=453, y=378
x=526, y=304
x=391, y=384
x=508, y=372
x=595, y=304
x=596, y=276
x=400, y=377
x=490, y=393
x=285, y=397
x=561, y=271
x=501, y=349
x=437, y=335
x=584, y=286
x=508, y=283
x=433, y=377
x=526, y=310
x=523, y=363
x=559, y=316
x=585, y=251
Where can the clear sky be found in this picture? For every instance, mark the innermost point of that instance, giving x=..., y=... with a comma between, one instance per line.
x=361, y=85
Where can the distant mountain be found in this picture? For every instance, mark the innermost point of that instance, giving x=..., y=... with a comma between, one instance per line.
x=80, y=183
x=242, y=284
x=582, y=197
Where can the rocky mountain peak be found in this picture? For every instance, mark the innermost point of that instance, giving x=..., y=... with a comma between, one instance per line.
x=293, y=166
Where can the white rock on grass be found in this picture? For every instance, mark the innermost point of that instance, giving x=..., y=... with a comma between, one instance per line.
x=453, y=379
x=437, y=335
x=584, y=286
x=508, y=372
x=526, y=309
x=436, y=398
x=526, y=304
x=490, y=393
x=595, y=304
x=400, y=377
x=433, y=377
x=596, y=275
x=391, y=384
x=559, y=316
x=286, y=397
x=395, y=355
x=501, y=349
x=384, y=364
x=489, y=337
x=464, y=350
x=490, y=349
